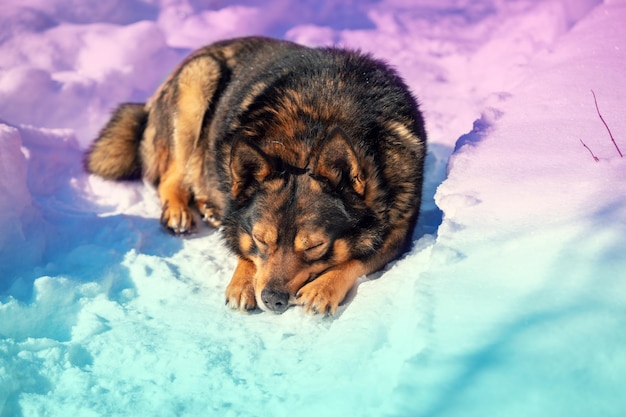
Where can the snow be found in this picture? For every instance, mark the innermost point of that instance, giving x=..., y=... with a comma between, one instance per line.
x=511, y=302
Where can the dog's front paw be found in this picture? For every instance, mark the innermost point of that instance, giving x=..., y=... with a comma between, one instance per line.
x=240, y=291
x=177, y=218
x=319, y=297
x=240, y=296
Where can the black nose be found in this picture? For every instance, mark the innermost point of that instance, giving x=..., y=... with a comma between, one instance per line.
x=276, y=301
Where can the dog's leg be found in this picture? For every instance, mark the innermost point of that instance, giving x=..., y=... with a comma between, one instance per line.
x=240, y=291
x=194, y=88
x=324, y=294
x=176, y=215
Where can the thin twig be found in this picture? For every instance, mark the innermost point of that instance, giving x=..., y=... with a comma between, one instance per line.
x=605, y=125
x=595, y=158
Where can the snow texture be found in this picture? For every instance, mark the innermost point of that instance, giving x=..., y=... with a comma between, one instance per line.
x=512, y=301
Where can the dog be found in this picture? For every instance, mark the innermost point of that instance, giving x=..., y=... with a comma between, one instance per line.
x=310, y=160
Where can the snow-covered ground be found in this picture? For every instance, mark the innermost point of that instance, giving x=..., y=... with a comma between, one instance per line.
x=511, y=303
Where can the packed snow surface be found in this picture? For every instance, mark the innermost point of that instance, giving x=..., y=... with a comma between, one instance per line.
x=512, y=301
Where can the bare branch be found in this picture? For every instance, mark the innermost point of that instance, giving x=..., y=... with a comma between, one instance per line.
x=595, y=158
x=605, y=125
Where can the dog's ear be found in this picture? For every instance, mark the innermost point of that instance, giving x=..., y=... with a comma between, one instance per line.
x=249, y=166
x=336, y=161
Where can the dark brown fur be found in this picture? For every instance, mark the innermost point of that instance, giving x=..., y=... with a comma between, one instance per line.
x=311, y=160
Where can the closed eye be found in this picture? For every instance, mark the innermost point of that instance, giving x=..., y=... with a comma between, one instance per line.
x=315, y=251
x=313, y=247
x=259, y=240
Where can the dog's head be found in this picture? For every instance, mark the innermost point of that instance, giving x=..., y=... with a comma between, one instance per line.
x=295, y=223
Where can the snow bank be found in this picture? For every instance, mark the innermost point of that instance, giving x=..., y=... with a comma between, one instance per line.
x=88, y=68
x=20, y=218
x=527, y=274
x=17, y=198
